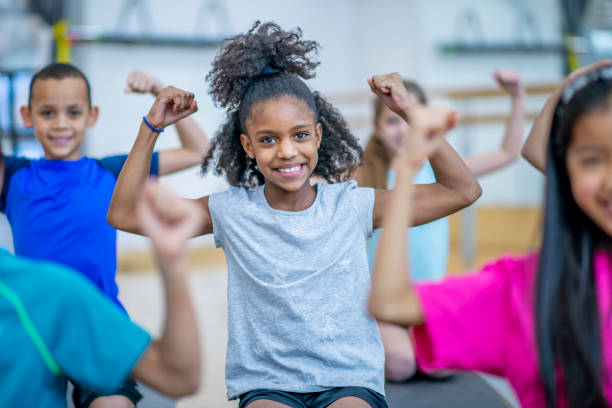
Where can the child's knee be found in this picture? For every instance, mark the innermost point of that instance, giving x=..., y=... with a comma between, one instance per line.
x=400, y=365
x=113, y=401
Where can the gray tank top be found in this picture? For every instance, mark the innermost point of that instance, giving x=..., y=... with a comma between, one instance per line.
x=297, y=290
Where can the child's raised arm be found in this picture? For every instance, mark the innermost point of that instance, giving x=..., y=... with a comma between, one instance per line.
x=455, y=188
x=194, y=143
x=170, y=106
x=392, y=297
x=171, y=363
x=509, y=151
x=534, y=150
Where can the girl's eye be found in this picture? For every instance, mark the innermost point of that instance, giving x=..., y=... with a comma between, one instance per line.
x=75, y=113
x=392, y=121
x=591, y=161
x=267, y=140
x=301, y=135
x=46, y=113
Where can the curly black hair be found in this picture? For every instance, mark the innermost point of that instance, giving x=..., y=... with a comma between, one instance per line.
x=265, y=63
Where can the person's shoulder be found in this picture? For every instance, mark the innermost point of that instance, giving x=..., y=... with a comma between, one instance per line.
x=516, y=261
x=231, y=202
x=46, y=274
x=112, y=164
x=235, y=194
x=35, y=276
x=12, y=164
x=515, y=269
x=339, y=188
x=345, y=190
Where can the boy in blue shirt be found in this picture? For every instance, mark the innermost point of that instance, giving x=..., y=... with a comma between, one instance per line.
x=56, y=325
x=57, y=206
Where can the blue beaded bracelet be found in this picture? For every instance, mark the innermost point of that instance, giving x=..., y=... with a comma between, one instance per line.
x=151, y=127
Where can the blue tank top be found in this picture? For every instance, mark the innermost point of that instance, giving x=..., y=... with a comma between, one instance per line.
x=428, y=244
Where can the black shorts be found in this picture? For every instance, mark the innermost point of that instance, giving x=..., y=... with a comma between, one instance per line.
x=320, y=399
x=83, y=396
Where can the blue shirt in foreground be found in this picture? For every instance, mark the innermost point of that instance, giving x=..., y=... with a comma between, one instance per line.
x=55, y=325
x=57, y=212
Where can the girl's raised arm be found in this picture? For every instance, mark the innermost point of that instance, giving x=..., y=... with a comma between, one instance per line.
x=392, y=297
x=455, y=188
x=534, y=149
x=170, y=106
x=510, y=148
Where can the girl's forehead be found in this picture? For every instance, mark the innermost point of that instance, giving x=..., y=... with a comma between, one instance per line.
x=594, y=126
x=280, y=111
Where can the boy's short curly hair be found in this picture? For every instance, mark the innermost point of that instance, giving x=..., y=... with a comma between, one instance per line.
x=265, y=63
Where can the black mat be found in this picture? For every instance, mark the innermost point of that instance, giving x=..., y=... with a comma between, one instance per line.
x=461, y=390
x=150, y=398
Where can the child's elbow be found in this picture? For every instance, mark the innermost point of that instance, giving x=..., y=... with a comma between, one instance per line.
x=532, y=158
x=526, y=153
x=120, y=221
x=190, y=383
x=472, y=193
x=181, y=383
x=403, y=311
x=510, y=154
x=113, y=219
x=376, y=309
x=382, y=309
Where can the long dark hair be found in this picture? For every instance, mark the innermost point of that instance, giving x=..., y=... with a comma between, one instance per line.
x=566, y=308
x=265, y=63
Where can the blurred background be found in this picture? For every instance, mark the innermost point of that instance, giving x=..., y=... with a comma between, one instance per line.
x=451, y=47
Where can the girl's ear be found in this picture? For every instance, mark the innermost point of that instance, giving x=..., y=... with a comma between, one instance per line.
x=318, y=134
x=247, y=146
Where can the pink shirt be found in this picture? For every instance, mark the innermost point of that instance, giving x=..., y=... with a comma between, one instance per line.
x=485, y=322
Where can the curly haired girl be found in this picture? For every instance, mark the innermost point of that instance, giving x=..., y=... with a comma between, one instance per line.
x=299, y=332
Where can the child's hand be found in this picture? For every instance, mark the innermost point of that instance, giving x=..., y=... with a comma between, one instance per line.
x=172, y=104
x=429, y=125
x=509, y=81
x=393, y=93
x=168, y=220
x=140, y=81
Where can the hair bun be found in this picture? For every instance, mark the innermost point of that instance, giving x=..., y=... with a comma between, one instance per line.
x=264, y=50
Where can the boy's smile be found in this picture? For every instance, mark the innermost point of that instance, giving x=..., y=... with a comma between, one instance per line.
x=60, y=113
x=283, y=138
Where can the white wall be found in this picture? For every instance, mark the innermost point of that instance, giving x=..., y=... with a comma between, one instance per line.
x=403, y=36
x=358, y=38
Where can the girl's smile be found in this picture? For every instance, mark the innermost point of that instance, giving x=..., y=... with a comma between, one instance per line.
x=292, y=170
x=283, y=138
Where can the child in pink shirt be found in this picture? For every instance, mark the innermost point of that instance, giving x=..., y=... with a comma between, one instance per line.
x=485, y=322
x=543, y=321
